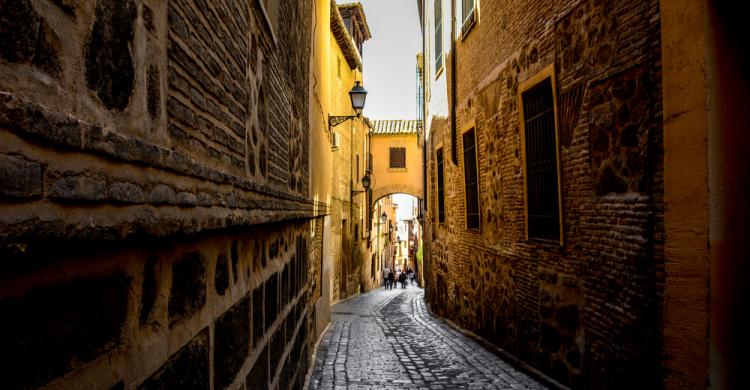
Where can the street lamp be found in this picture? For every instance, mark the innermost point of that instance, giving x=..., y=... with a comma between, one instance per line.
x=365, y=184
x=383, y=217
x=357, y=95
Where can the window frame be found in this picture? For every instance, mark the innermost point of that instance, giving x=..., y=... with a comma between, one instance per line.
x=438, y=35
x=528, y=84
x=390, y=158
x=471, y=127
x=468, y=21
x=440, y=179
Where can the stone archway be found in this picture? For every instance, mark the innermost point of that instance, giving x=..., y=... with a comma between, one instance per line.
x=409, y=189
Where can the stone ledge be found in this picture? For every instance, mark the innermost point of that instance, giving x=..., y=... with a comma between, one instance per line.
x=29, y=119
x=27, y=224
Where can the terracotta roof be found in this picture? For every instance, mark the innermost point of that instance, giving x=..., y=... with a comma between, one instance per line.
x=359, y=13
x=344, y=40
x=398, y=126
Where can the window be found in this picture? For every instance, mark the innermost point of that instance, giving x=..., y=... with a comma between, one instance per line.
x=398, y=158
x=440, y=186
x=470, y=180
x=540, y=153
x=468, y=13
x=438, y=35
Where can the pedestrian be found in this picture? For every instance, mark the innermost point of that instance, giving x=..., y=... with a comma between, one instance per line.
x=386, y=274
x=402, y=279
x=391, y=279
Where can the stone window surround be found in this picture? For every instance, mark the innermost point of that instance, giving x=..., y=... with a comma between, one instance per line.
x=471, y=125
x=546, y=73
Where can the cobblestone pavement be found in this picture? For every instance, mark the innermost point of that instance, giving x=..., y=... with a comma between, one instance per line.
x=386, y=339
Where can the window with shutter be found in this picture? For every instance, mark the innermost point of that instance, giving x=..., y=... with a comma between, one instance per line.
x=438, y=5
x=470, y=180
x=397, y=158
x=440, y=186
x=542, y=196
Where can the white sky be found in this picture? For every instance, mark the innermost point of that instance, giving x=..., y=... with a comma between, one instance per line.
x=390, y=58
x=405, y=204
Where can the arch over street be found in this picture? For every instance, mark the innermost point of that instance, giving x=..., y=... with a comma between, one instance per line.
x=396, y=158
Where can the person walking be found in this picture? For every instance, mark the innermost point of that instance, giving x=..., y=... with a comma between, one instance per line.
x=386, y=275
x=391, y=279
x=402, y=279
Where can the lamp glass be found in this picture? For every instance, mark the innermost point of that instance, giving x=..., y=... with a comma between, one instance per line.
x=358, y=95
x=383, y=217
x=366, y=181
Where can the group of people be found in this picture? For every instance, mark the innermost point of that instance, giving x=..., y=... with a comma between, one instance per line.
x=390, y=277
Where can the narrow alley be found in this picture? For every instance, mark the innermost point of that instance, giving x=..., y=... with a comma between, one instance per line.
x=388, y=339
x=211, y=194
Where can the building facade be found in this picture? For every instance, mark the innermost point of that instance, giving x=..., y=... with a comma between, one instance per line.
x=350, y=156
x=165, y=191
x=546, y=231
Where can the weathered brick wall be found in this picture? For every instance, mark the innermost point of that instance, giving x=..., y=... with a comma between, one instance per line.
x=586, y=312
x=156, y=227
x=228, y=309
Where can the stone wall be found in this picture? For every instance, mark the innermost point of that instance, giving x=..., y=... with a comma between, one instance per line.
x=586, y=312
x=156, y=225
x=225, y=309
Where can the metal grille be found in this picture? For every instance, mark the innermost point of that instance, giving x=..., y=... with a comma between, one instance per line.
x=470, y=177
x=440, y=186
x=541, y=162
x=398, y=158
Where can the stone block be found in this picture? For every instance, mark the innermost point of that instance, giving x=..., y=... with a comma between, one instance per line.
x=231, y=343
x=110, y=73
x=162, y=193
x=258, y=324
x=148, y=289
x=75, y=186
x=257, y=379
x=221, y=275
x=126, y=192
x=285, y=288
x=278, y=344
x=50, y=331
x=272, y=300
x=188, y=293
x=188, y=368
x=19, y=177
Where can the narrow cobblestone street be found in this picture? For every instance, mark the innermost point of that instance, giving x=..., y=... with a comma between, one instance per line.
x=388, y=339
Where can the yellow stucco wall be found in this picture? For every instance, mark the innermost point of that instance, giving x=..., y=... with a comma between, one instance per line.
x=321, y=157
x=391, y=181
x=350, y=261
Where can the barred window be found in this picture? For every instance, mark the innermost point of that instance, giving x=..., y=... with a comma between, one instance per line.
x=542, y=197
x=440, y=186
x=398, y=158
x=470, y=180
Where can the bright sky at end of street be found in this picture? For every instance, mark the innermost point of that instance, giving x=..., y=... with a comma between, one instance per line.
x=390, y=58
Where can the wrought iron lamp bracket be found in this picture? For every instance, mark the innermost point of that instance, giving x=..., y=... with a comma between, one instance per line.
x=335, y=120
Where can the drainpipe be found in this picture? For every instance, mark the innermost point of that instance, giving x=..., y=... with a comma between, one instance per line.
x=454, y=137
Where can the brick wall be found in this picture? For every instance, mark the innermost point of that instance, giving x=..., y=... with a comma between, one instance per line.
x=587, y=312
x=156, y=227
